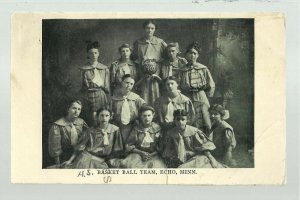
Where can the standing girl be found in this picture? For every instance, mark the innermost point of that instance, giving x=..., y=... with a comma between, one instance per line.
x=95, y=81
x=148, y=52
x=173, y=64
x=197, y=83
x=122, y=66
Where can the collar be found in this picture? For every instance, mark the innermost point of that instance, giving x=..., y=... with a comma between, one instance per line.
x=188, y=131
x=131, y=96
x=180, y=98
x=64, y=122
x=130, y=62
x=154, y=128
x=154, y=40
x=110, y=129
x=98, y=66
x=196, y=66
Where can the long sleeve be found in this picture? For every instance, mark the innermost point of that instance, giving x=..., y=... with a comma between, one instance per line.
x=211, y=84
x=202, y=143
x=54, y=142
x=229, y=138
x=113, y=70
x=107, y=81
x=131, y=141
x=118, y=142
x=191, y=111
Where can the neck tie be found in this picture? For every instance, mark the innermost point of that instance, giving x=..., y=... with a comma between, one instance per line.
x=97, y=78
x=74, y=135
x=170, y=110
x=105, y=138
x=181, y=149
x=147, y=140
x=126, y=69
x=125, y=112
x=170, y=70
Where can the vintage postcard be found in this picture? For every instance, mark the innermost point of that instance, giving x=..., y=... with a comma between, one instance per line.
x=148, y=98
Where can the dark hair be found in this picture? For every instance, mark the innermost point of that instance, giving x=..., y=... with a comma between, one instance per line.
x=173, y=78
x=218, y=108
x=194, y=45
x=127, y=76
x=102, y=109
x=144, y=108
x=149, y=22
x=92, y=45
x=70, y=103
x=180, y=113
x=125, y=46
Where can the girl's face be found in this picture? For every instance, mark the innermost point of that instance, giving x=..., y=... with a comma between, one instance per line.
x=93, y=55
x=192, y=55
x=125, y=53
x=104, y=117
x=180, y=122
x=150, y=29
x=127, y=84
x=74, y=110
x=215, y=116
x=172, y=52
x=147, y=117
x=171, y=86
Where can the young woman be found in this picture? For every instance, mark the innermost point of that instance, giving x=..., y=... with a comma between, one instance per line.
x=101, y=143
x=148, y=52
x=170, y=101
x=222, y=135
x=96, y=81
x=173, y=64
x=197, y=83
x=125, y=105
x=123, y=66
x=65, y=135
x=187, y=146
x=144, y=143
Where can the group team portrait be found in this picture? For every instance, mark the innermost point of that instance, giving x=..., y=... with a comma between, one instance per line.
x=148, y=93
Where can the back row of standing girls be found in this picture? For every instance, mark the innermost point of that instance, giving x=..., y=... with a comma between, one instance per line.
x=147, y=67
x=142, y=70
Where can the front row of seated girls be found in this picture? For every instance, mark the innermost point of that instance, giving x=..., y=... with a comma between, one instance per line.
x=73, y=145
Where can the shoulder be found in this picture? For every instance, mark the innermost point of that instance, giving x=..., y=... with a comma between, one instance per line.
x=61, y=122
x=112, y=128
x=199, y=66
x=133, y=96
x=190, y=130
x=183, y=99
x=86, y=67
x=225, y=125
x=155, y=127
x=101, y=66
x=182, y=60
x=80, y=122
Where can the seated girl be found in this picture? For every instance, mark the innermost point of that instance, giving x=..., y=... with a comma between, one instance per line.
x=65, y=135
x=222, y=135
x=101, y=143
x=187, y=146
x=144, y=143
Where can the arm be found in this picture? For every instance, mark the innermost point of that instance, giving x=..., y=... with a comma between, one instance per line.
x=212, y=160
x=211, y=84
x=54, y=143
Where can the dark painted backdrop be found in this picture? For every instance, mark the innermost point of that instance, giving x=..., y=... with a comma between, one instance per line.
x=227, y=45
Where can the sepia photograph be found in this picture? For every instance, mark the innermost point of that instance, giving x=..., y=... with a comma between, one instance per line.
x=151, y=98
x=148, y=93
